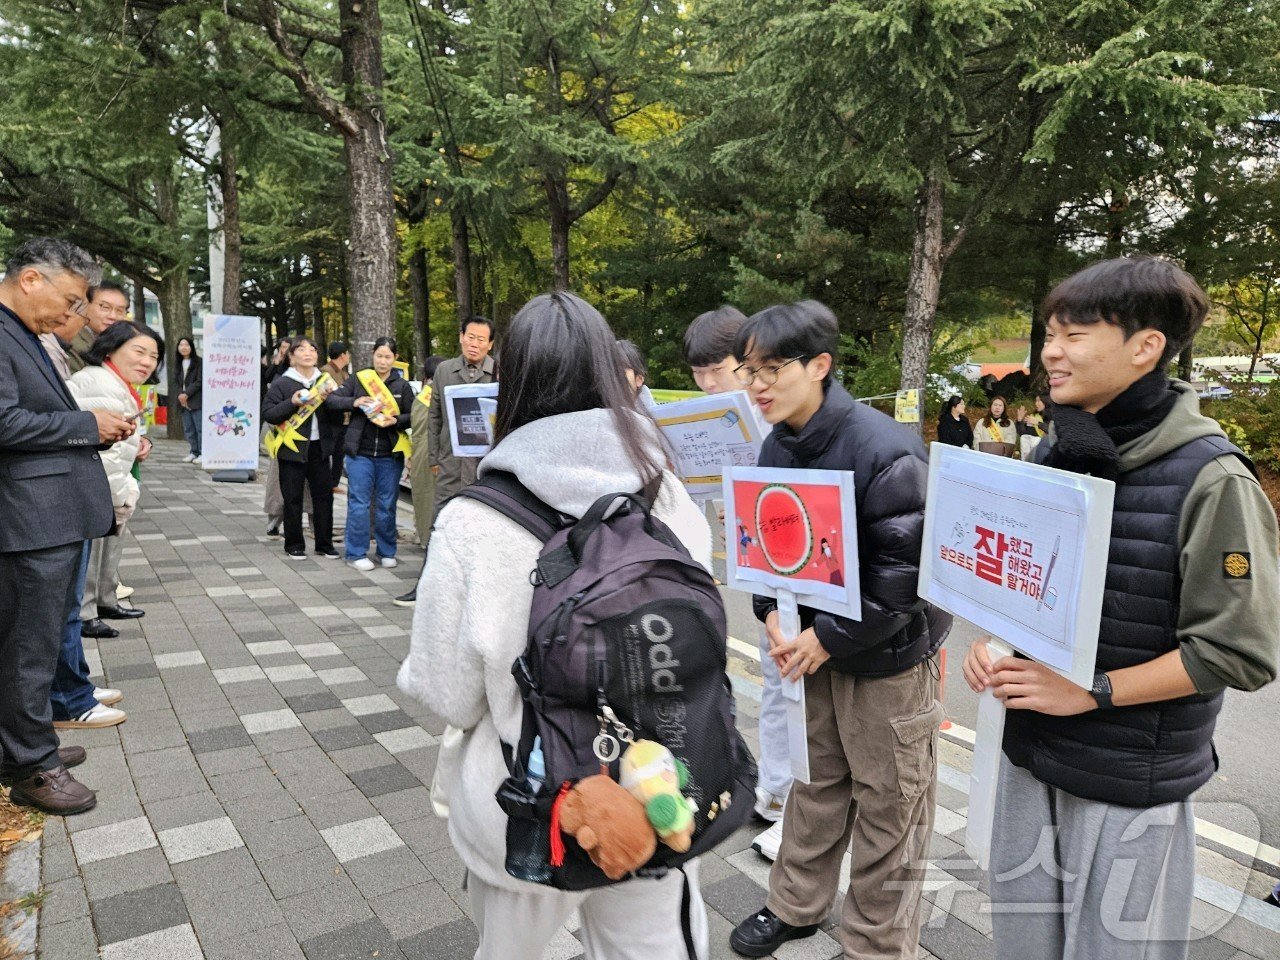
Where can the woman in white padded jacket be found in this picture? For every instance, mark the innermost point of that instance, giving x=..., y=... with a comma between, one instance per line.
x=569, y=429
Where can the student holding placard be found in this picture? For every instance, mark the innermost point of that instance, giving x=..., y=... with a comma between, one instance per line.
x=870, y=685
x=1191, y=607
x=379, y=400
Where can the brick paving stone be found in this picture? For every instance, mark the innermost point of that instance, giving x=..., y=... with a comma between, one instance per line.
x=361, y=838
x=197, y=840
x=404, y=739
x=313, y=702
x=369, y=938
x=124, y=874
x=127, y=916
x=457, y=940
x=113, y=840
x=174, y=943
x=220, y=738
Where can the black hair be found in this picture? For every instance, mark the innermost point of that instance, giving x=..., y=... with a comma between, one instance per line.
x=116, y=336
x=177, y=357
x=713, y=336
x=107, y=285
x=786, y=330
x=1004, y=414
x=632, y=359
x=388, y=342
x=953, y=401
x=1133, y=293
x=1046, y=416
x=559, y=356
x=493, y=330
x=299, y=341
x=429, y=367
x=336, y=349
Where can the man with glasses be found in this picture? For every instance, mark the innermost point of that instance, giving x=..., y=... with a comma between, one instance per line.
x=452, y=473
x=53, y=497
x=106, y=304
x=870, y=684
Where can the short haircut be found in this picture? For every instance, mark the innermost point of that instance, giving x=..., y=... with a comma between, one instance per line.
x=632, y=359
x=55, y=256
x=108, y=285
x=388, y=342
x=1133, y=293
x=301, y=341
x=493, y=330
x=336, y=349
x=713, y=336
x=805, y=329
x=116, y=336
x=429, y=368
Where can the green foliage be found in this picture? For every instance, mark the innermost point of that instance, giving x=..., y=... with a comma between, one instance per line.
x=1249, y=419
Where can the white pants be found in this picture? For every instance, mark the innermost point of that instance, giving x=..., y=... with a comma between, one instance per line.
x=635, y=920
x=775, y=753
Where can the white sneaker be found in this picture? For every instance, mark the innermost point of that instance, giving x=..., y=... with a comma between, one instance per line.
x=123, y=592
x=93, y=718
x=389, y=562
x=106, y=696
x=769, y=806
x=364, y=564
x=198, y=461
x=767, y=843
x=189, y=458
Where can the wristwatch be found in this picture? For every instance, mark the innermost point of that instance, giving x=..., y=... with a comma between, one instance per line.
x=1102, y=690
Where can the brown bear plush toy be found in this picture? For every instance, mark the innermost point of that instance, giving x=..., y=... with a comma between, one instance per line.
x=610, y=824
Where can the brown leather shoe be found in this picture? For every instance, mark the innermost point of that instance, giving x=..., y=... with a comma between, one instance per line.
x=72, y=756
x=54, y=791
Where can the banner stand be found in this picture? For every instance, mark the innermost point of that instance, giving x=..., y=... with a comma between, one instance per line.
x=793, y=691
x=232, y=476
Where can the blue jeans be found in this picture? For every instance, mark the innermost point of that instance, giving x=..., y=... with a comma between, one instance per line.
x=191, y=429
x=373, y=480
x=72, y=690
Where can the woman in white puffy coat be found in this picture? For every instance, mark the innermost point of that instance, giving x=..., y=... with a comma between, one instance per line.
x=123, y=357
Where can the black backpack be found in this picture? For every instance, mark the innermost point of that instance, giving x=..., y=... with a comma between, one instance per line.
x=627, y=640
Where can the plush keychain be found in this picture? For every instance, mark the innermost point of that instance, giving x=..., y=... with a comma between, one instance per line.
x=653, y=775
x=608, y=823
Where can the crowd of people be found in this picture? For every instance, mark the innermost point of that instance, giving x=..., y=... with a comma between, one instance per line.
x=1192, y=602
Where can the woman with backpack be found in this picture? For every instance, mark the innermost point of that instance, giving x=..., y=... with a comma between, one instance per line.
x=568, y=430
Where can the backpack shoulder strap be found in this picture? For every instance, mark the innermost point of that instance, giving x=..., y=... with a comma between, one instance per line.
x=503, y=492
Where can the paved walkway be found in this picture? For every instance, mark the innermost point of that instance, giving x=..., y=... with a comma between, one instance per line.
x=267, y=797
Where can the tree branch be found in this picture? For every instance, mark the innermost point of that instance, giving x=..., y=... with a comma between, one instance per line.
x=296, y=70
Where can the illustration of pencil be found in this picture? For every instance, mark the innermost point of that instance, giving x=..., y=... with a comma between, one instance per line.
x=1044, y=587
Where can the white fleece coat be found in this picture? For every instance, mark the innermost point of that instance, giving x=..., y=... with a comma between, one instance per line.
x=97, y=388
x=472, y=615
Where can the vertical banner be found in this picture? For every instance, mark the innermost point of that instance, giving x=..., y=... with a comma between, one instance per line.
x=232, y=369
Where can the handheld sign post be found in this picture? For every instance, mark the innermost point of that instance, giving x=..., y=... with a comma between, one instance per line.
x=229, y=433
x=471, y=409
x=1019, y=550
x=706, y=434
x=795, y=540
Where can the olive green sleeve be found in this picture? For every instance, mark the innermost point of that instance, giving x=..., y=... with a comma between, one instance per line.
x=1229, y=619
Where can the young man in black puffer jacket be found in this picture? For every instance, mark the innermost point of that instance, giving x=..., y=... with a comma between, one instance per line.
x=870, y=684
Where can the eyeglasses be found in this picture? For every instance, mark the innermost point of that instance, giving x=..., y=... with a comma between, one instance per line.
x=77, y=305
x=767, y=375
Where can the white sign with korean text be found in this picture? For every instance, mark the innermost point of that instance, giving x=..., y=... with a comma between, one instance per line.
x=471, y=409
x=230, y=414
x=706, y=434
x=1019, y=550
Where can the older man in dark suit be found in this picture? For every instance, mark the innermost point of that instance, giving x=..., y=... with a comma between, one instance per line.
x=53, y=497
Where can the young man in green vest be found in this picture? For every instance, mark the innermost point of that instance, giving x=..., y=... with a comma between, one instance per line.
x=1093, y=853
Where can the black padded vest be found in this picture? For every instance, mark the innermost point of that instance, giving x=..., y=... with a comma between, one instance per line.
x=1151, y=754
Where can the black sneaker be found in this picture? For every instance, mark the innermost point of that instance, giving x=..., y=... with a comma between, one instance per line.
x=273, y=530
x=1273, y=897
x=297, y=553
x=761, y=934
x=407, y=599
x=329, y=552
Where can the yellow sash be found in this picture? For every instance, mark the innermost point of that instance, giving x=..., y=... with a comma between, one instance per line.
x=424, y=397
x=287, y=433
x=376, y=387
x=993, y=428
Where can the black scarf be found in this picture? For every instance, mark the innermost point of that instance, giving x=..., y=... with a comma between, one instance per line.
x=1087, y=443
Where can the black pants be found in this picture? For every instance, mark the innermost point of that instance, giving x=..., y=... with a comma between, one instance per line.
x=294, y=476
x=336, y=458
x=37, y=591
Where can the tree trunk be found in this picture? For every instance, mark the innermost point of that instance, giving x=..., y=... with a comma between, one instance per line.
x=418, y=297
x=230, y=231
x=174, y=294
x=924, y=284
x=558, y=218
x=461, y=265
x=372, y=259
x=1117, y=218
x=139, y=302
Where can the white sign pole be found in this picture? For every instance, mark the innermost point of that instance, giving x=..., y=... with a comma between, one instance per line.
x=793, y=691
x=984, y=777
